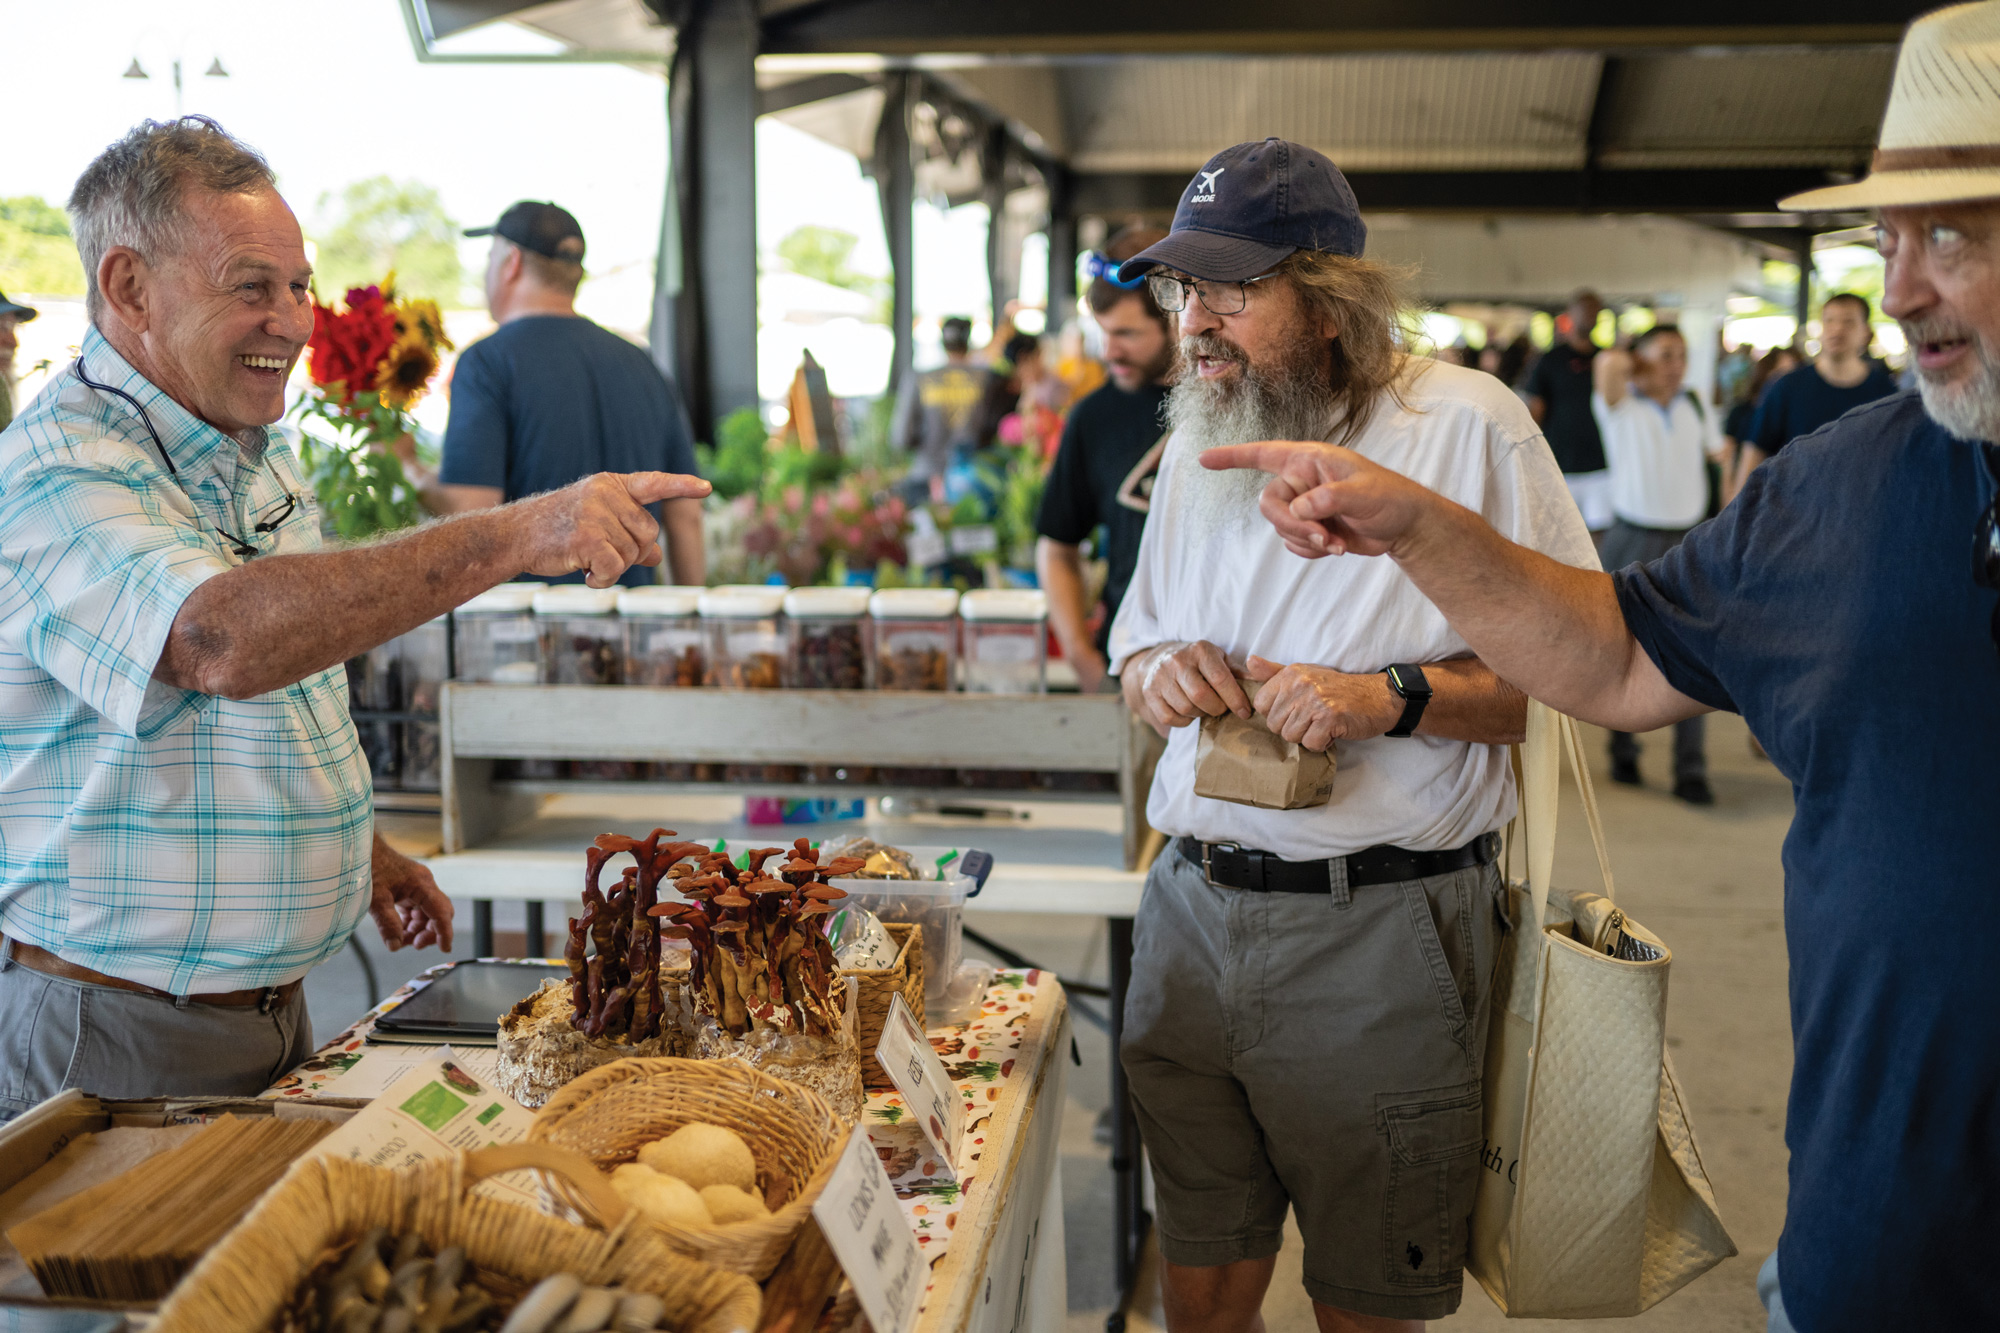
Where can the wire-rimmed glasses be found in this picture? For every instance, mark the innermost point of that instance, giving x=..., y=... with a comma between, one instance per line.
x=1170, y=293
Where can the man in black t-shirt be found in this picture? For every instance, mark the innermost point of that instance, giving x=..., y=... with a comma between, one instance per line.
x=550, y=396
x=1841, y=378
x=1110, y=452
x=1558, y=390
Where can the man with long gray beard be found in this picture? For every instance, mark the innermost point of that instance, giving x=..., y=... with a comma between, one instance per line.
x=1833, y=605
x=1307, y=1017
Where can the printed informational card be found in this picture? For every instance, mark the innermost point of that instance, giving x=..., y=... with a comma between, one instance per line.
x=434, y=1108
x=905, y=1052
x=868, y=1234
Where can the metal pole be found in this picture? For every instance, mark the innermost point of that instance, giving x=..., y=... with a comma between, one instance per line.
x=896, y=180
x=993, y=193
x=1062, y=248
x=1803, y=306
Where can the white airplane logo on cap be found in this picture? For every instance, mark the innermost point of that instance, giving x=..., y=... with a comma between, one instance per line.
x=1205, y=192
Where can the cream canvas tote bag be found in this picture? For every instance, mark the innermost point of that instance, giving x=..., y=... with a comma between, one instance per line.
x=1594, y=1202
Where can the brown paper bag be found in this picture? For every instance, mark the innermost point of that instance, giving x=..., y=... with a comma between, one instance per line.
x=1248, y=763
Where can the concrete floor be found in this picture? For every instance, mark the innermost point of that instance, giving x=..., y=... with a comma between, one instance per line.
x=1706, y=881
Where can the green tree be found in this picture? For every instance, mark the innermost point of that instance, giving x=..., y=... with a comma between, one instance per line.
x=380, y=225
x=826, y=253
x=36, y=253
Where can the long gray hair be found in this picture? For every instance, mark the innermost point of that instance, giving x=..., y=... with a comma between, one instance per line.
x=1365, y=301
x=134, y=194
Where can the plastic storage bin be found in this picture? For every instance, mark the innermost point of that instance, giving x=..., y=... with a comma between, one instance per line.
x=938, y=905
x=582, y=641
x=746, y=639
x=916, y=638
x=826, y=634
x=496, y=639
x=664, y=643
x=1006, y=640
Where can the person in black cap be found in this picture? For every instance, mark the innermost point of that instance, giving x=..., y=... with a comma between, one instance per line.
x=1306, y=1023
x=551, y=396
x=12, y=314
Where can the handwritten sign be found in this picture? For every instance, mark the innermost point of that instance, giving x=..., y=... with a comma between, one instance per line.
x=868, y=1234
x=920, y=1076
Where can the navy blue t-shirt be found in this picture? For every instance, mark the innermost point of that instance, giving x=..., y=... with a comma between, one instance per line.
x=550, y=399
x=1800, y=401
x=1833, y=605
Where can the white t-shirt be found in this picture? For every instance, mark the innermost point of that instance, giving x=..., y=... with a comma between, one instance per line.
x=1656, y=455
x=1466, y=437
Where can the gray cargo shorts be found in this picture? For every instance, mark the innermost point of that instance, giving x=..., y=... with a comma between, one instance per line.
x=1323, y=1052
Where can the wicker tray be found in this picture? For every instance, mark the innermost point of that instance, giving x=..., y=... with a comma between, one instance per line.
x=878, y=986
x=323, y=1203
x=610, y=1113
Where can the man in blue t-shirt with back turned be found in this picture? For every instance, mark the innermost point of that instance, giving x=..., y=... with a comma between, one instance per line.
x=550, y=397
x=1845, y=603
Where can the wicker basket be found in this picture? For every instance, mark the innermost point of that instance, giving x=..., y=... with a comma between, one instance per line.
x=325, y=1203
x=612, y=1112
x=878, y=986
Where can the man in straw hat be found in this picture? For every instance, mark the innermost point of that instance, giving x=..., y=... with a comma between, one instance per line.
x=1834, y=606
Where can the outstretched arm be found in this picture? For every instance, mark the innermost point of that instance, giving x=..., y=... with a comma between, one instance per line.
x=1551, y=630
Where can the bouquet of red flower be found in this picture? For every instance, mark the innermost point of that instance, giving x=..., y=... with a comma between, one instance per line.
x=370, y=361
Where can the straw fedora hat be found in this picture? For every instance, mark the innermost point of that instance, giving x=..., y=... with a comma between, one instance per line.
x=1941, y=134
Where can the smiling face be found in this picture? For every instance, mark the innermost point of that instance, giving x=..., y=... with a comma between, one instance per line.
x=218, y=325
x=1943, y=286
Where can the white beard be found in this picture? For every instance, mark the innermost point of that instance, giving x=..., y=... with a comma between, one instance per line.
x=1971, y=411
x=1287, y=403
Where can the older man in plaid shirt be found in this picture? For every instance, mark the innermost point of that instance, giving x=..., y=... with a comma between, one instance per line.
x=185, y=815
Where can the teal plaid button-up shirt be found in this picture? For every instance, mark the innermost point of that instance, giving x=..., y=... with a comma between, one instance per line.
x=172, y=838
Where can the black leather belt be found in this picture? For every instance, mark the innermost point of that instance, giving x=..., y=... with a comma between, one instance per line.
x=1233, y=867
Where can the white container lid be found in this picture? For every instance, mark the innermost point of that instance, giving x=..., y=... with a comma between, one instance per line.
x=742, y=602
x=914, y=604
x=506, y=599
x=1004, y=604
x=658, y=600
x=574, y=599
x=827, y=602
x=749, y=587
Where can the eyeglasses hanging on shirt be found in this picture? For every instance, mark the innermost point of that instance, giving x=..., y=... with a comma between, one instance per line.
x=244, y=550
x=1986, y=539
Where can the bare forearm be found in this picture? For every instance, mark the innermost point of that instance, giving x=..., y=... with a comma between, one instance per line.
x=1059, y=567
x=1547, y=628
x=279, y=619
x=687, y=550
x=1469, y=703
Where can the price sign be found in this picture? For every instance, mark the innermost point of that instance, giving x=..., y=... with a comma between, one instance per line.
x=868, y=1234
x=920, y=1076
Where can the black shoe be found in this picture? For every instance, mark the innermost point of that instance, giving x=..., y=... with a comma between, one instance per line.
x=1695, y=791
x=1625, y=771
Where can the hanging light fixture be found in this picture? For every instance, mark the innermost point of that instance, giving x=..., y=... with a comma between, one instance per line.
x=135, y=71
x=215, y=70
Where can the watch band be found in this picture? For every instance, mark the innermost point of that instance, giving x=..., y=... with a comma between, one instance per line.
x=1409, y=684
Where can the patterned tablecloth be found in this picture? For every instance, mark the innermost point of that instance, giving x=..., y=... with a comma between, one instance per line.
x=981, y=1056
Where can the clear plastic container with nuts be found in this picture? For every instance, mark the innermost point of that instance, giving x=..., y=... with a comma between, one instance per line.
x=495, y=639
x=1006, y=640
x=826, y=634
x=664, y=640
x=582, y=642
x=916, y=638
x=746, y=637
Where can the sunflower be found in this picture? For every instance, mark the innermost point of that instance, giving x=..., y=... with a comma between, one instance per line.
x=406, y=371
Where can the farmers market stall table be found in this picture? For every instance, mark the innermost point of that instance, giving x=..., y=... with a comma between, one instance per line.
x=994, y=1238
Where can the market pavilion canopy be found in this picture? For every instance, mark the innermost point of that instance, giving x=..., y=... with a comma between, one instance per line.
x=1056, y=112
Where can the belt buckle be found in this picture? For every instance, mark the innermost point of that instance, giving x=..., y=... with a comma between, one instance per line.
x=1207, y=872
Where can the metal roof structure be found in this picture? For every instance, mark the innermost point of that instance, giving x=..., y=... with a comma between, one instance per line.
x=1431, y=107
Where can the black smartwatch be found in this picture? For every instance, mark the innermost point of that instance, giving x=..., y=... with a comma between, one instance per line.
x=1410, y=686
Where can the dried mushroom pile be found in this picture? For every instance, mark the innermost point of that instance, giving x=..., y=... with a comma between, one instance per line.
x=761, y=957
x=389, y=1284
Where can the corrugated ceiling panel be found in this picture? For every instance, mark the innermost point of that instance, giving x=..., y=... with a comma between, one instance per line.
x=1368, y=113
x=1748, y=108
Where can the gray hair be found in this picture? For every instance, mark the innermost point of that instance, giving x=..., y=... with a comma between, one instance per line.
x=135, y=193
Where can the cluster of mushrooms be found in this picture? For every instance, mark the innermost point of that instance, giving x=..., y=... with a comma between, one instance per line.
x=615, y=991
x=759, y=946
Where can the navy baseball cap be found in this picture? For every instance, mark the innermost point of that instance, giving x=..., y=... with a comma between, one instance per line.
x=544, y=228
x=1250, y=207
